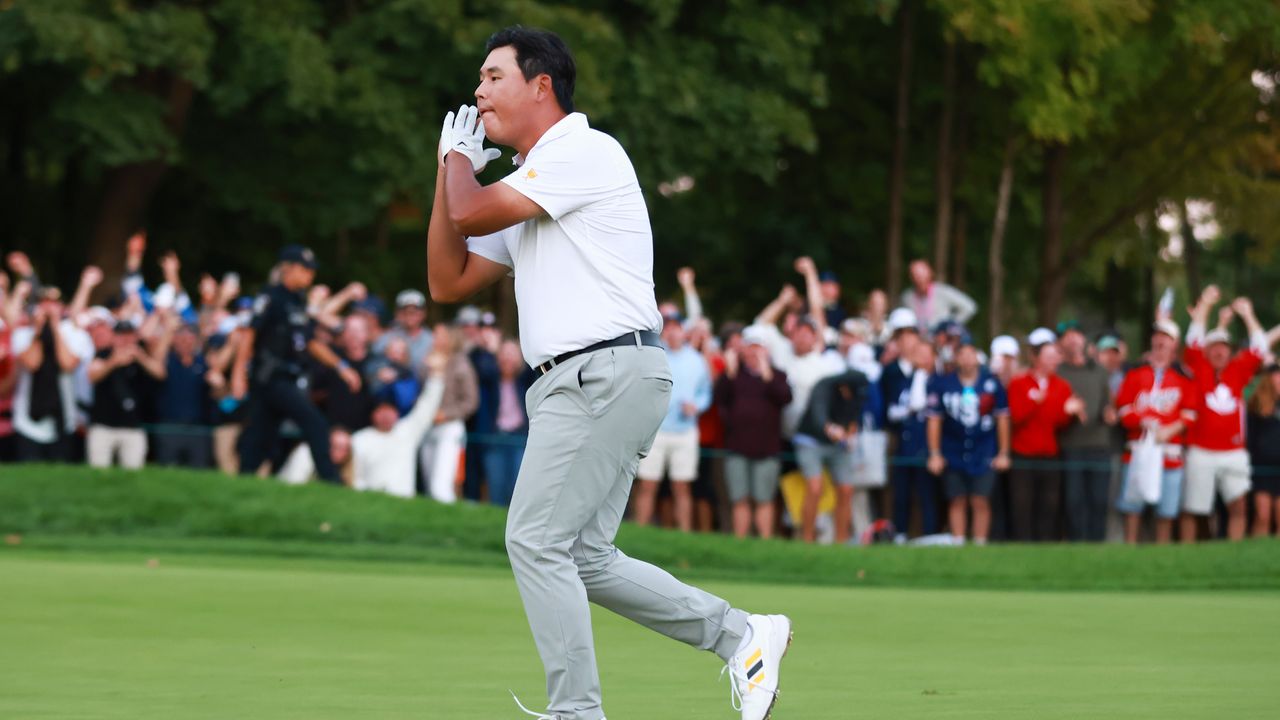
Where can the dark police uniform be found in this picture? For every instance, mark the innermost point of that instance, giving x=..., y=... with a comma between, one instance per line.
x=277, y=384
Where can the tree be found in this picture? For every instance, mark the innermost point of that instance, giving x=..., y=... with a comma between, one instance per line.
x=897, y=168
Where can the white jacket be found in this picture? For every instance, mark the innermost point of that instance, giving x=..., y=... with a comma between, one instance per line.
x=386, y=461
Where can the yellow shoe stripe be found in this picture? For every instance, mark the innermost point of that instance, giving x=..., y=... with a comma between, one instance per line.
x=752, y=660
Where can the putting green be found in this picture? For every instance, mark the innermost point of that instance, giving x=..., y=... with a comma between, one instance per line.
x=112, y=636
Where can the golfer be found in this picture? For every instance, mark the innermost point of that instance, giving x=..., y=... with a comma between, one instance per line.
x=571, y=225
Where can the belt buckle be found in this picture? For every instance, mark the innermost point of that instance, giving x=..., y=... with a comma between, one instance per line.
x=547, y=366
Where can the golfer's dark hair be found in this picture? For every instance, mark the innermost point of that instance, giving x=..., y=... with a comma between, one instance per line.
x=538, y=52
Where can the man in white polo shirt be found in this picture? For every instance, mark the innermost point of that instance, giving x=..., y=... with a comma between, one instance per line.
x=570, y=223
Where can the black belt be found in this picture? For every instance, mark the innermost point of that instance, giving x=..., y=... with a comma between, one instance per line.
x=635, y=338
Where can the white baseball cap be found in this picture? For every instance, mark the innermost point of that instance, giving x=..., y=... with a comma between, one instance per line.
x=97, y=314
x=902, y=319
x=408, y=298
x=1004, y=345
x=469, y=315
x=1217, y=335
x=1169, y=327
x=1041, y=336
x=855, y=326
x=753, y=335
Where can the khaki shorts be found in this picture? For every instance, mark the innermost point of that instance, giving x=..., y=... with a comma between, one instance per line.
x=103, y=444
x=1226, y=471
x=674, y=455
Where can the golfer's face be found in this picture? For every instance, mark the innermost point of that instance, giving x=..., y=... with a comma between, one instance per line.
x=501, y=95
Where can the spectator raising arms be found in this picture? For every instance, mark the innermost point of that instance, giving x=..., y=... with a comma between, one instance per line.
x=48, y=352
x=119, y=375
x=804, y=358
x=182, y=405
x=343, y=405
x=1216, y=454
x=751, y=395
x=1157, y=398
x=383, y=453
x=1041, y=404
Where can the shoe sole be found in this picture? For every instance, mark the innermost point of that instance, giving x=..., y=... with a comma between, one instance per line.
x=791, y=635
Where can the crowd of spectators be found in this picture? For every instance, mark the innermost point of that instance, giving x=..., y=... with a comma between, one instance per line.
x=891, y=423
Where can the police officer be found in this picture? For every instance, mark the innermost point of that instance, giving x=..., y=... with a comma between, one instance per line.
x=278, y=337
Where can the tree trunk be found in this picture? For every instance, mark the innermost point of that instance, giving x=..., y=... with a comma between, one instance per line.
x=1053, y=276
x=127, y=189
x=342, y=247
x=995, y=257
x=1114, y=287
x=959, y=246
x=1190, y=252
x=943, y=174
x=382, y=232
x=1147, y=303
x=959, y=212
x=898, y=168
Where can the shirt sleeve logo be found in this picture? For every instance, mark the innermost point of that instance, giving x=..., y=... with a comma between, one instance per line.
x=531, y=174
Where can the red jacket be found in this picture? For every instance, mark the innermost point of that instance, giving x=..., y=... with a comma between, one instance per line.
x=1037, y=415
x=710, y=424
x=1141, y=398
x=1219, y=398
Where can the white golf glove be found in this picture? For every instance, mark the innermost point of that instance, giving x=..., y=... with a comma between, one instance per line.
x=464, y=133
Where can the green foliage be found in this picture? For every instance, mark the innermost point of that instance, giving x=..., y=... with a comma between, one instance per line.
x=317, y=121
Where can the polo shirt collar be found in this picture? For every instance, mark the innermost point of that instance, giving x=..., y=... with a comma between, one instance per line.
x=566, y=125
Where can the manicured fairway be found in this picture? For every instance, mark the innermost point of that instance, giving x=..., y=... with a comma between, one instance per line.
x=108, y=636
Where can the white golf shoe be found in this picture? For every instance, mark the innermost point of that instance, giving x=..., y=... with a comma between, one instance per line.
x=753, y=670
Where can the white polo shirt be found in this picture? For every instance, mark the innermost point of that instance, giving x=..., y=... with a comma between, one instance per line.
x=584, y=271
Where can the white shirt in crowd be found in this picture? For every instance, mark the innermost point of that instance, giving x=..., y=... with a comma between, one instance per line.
x=383, y=461
x=803, y=371
x=583, y=271
x=941, y=302
x=71, y=386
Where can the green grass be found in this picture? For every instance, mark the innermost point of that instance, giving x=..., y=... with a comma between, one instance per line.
x=176, y=511
x=174, y=594
x=195, y=636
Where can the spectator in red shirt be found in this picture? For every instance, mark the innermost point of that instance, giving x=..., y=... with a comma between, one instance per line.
x=1216, y=454
x=1158, y=397
x=1041, y=404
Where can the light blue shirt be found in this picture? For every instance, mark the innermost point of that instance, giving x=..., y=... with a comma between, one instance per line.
x=690, y=383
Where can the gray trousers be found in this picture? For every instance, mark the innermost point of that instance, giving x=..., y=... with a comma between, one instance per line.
x=591, y=419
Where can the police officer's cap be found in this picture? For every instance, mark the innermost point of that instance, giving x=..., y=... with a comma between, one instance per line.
x=298, y=254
